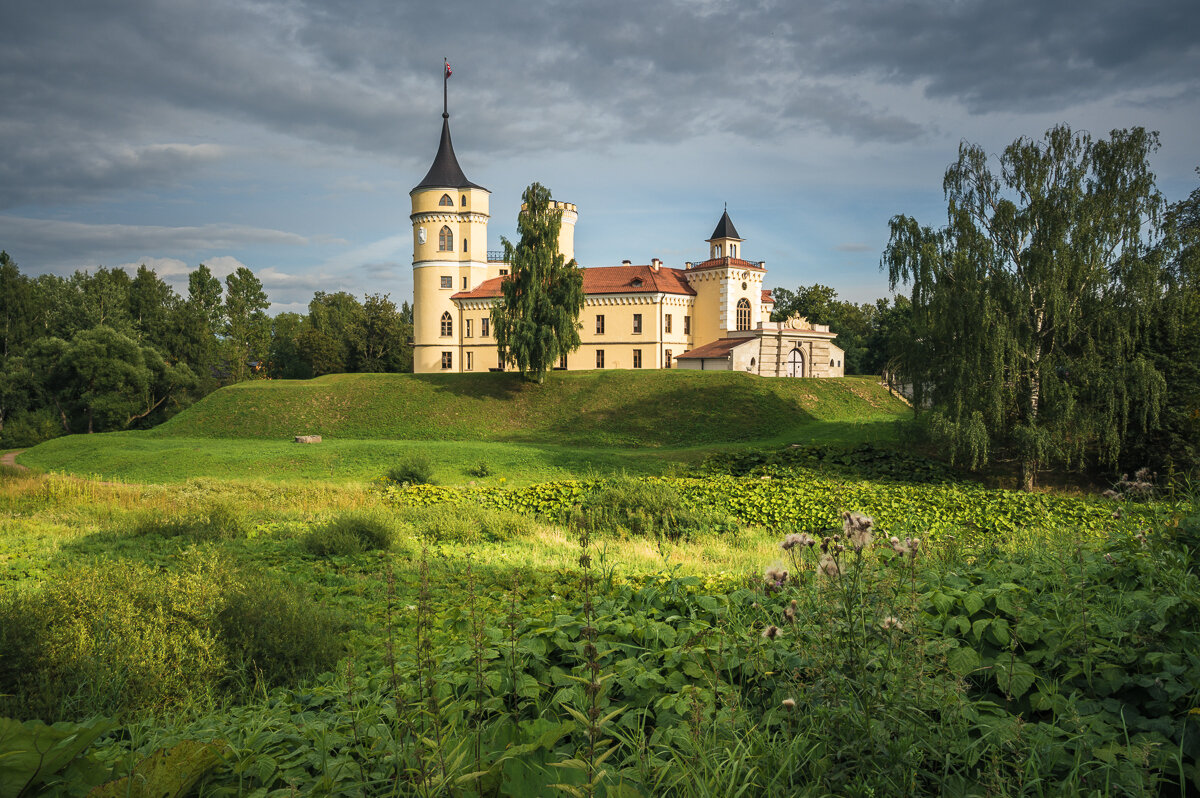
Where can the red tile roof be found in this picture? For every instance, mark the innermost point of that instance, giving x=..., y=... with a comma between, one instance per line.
x=718, y=348
x=607, y=280
x=767, y=298
x=721, y=263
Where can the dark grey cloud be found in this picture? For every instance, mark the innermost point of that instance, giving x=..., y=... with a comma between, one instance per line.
x=57, y=243
x=142, y=94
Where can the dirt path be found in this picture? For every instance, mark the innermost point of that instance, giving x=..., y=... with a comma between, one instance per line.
x=10, y=460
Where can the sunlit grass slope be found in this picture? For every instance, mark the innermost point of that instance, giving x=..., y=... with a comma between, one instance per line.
x=604, y=409
x=573, y=425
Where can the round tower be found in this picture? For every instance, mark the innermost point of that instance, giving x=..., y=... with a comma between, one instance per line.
x=449, y=221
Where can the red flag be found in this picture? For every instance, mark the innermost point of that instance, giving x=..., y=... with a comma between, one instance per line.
x=449, y=72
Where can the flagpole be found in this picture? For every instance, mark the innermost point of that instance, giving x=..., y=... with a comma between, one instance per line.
x=445, y=95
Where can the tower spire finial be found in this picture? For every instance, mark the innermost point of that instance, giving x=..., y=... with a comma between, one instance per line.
x=446, y=73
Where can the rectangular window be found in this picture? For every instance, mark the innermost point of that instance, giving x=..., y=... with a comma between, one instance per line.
x=637, y=358
x=637, y=323
x=503, y=272
x=467, y=328
x=562, y=362
x=668, y=356
x=470, y=361
x=687, y=325
x=483, y=326
x=447, y=281
x=667, y=323
x=600, y=358
x=447, y=360
x=464, y=283
x=599, y=325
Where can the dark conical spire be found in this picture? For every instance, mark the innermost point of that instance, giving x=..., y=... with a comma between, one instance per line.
x=445, y=172
x=725, y=229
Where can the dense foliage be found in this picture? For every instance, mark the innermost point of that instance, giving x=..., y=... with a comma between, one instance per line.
x=105, y=351
x=853, y=665
x=1032, y=307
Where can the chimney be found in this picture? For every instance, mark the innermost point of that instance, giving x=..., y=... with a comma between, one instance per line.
x=655, y=264
x=687, y=265
x=626, y=263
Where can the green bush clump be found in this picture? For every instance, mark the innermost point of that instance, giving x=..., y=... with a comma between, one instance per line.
x=351, y=533
x=120, y=638
x=644, y=507
x=277, y=633
x=461, y=523
x=481, y=469
x=217, y=521
x=416, y=469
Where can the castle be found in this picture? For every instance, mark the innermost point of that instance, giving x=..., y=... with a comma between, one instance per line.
x=712, y=315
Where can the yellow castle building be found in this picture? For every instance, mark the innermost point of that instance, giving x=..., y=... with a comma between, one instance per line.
x=712, y=315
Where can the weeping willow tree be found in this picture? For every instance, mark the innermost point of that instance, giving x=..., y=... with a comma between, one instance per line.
x=537, y=320
x=1031, y=307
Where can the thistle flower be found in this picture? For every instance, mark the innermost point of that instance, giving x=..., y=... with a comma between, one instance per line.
x=1110, y=494
x=892, y=622
x=775, y=577
x=796, y=539
x=789, y=704
x=789, y=612
x=858, y=529
x=828, y=566
x=771, y=632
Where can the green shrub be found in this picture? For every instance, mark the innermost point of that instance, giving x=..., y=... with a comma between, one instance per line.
x=351, y=533
x=113, y=637
x=274, y=633
x=643, y=507
x=30, y=428
x=120, y=638
x=481, y=469
x=217, y=521
x=466, y=523
x=416, y=469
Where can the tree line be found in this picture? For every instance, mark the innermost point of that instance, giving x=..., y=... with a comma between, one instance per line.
x=104, y=350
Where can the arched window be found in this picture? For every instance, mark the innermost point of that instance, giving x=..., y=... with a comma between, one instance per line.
x=446, y=240
x=743, y=314
x=445, y=201
x=464, y=245
x=447, y=324
x=464, y=202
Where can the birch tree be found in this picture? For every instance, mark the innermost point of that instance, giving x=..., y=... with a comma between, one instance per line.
x=1031, y=307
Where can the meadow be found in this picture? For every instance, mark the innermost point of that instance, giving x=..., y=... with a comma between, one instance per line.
x=716, y=616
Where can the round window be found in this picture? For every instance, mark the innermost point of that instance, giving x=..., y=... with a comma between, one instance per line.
x=743, y=286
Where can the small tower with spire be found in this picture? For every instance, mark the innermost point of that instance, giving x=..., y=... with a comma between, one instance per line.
x=449, y=222
x=728, y=288
x=724, y=242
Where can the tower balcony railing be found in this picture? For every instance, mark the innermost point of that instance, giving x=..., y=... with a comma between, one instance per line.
x=496, y=256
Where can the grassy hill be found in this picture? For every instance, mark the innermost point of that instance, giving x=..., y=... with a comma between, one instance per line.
x=589, y=422
x=606, y=409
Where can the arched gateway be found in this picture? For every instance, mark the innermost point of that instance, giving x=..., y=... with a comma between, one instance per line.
x=795, y=363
